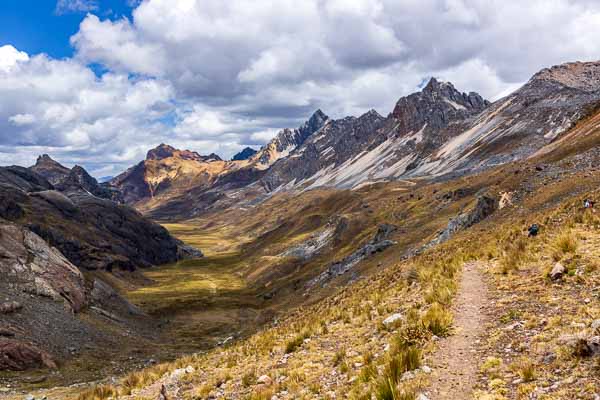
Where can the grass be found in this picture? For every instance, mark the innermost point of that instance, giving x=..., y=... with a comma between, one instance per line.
x=564, y=244
x=101, y=392
x=293, y=344
x=438, y=320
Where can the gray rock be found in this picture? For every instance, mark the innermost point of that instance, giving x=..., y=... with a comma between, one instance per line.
x=557, y=271
x=393, y=319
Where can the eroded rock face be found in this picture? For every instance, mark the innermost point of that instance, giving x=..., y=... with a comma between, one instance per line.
x=28, y=262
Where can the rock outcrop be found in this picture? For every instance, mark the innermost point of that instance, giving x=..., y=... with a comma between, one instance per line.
x=91, y=232
x=379, y=243
x=484, y=207
x=19, y=356
x=29, y=263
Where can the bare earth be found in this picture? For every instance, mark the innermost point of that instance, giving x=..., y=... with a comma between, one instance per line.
x=457, y=360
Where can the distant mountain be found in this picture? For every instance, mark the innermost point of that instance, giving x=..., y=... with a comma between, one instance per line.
x=104, y=179
x=442, y=131
x=244, y=154
x=70, y=180
x=166, y=172
x=350, y=151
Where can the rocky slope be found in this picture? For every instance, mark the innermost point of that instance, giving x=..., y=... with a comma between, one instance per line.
x=93, y=233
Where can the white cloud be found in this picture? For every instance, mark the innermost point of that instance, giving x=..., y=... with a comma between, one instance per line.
x=22, y=119
x=10, y=57
x=215, y=75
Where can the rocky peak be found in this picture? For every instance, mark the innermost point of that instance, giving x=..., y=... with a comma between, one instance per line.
x=46, y=161
x=160, y=152
x=50, y=169
x=163, y=151
x=436, y=105
x=289, y=139
x=314, y=123
x=80, y=175
x=244, y=154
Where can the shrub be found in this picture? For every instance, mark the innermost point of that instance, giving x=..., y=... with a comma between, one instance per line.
x=564, y=243
x=339, y=357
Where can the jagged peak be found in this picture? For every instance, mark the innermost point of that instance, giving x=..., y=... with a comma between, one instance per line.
x=46, y=160
x=163, y=151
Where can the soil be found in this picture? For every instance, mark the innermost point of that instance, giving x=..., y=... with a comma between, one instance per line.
x=458, y=357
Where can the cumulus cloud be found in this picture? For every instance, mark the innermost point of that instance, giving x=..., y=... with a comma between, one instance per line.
x=63, y=107
x=10, y=57
x=212, y=75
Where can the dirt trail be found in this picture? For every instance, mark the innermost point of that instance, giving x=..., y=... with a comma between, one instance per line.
x=457, y=360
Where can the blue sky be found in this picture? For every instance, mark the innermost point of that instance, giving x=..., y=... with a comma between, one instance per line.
x=99, y=82
x=35, y=26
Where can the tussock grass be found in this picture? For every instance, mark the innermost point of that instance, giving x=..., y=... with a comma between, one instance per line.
x=565, y=243
x=526, y=370
x=101, y=392
x=438, y=320
x=516, y=253
x=293, y=344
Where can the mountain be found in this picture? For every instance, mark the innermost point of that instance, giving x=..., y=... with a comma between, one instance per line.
x=93, y=233
x=74, y=179
x=440, y=130
x=168, y=178
x=167, y=172
x=50, y=169
x=244, y=154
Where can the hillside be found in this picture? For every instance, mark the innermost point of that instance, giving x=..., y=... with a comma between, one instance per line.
x=387, y=328
x=366, y=257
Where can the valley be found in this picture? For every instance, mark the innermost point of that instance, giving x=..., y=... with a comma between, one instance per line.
x=366, y=257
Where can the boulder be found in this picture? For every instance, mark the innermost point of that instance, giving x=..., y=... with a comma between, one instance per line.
x=557, y=271
x=10, y=307
x=393, y=319
x=264, y=380
x=19, y=356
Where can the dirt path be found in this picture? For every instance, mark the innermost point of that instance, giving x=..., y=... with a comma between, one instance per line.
x=456, y=362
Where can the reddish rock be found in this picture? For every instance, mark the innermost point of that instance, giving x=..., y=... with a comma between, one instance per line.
x=19, y=356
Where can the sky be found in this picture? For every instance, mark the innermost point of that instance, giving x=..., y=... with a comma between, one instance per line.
x=99, y=82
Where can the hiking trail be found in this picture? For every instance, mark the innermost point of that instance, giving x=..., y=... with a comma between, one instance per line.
x=457, y=359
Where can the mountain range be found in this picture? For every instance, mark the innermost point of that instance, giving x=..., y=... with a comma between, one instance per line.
x=324, y=235
x=430, y=134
